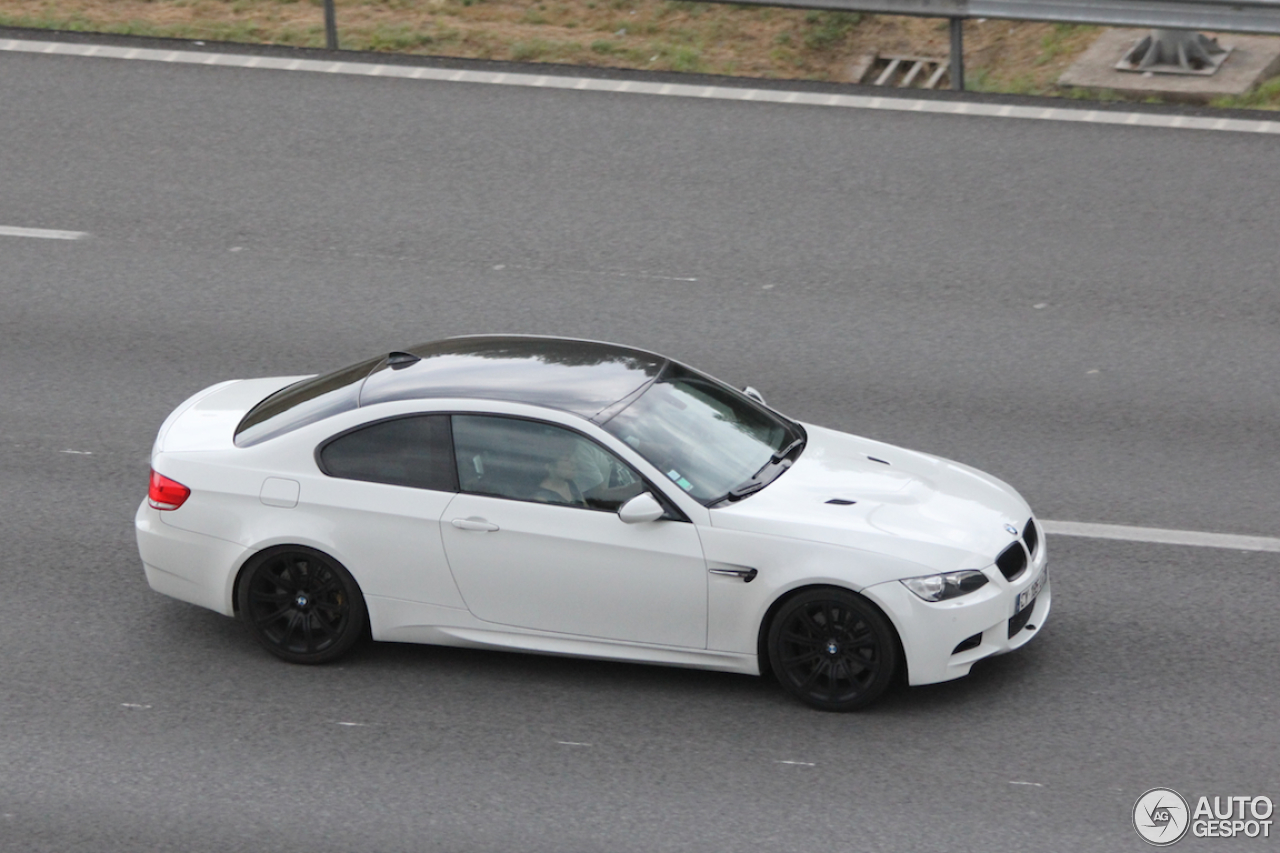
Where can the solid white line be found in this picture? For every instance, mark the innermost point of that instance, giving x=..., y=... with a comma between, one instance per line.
x=1162, y=536
x=722, y=93
x=42, y=233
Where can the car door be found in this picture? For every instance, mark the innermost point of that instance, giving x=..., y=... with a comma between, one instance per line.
x=534, y=539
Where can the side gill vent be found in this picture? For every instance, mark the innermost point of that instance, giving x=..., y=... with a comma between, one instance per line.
x=1031, y=536
x=881, y=461
x=1012, y=561
x=841, y=502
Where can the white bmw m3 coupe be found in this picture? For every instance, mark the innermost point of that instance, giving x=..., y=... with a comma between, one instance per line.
x=580, y=498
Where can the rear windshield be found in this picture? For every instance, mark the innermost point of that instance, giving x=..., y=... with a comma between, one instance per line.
x=304, y=403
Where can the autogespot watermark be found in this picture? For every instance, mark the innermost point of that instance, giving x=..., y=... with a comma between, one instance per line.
x=1162, y=817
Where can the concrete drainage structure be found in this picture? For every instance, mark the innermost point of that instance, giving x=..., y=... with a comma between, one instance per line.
x=1174, y=52
x=1235, y=67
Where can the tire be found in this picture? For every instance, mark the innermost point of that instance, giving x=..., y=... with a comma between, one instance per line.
x=301, y=605
x=832, y=649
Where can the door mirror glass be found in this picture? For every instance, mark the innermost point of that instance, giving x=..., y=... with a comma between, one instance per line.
x=643, y=507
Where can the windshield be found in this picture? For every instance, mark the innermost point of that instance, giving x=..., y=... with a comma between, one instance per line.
x=707, y=438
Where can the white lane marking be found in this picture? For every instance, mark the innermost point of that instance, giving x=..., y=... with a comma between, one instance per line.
x=1033, y=784
x=357, y=725
x=41, y=233
x=797, y=763
x=1162, y=536
x=618, y=273
x=134, y=705
x=78, y=452
x=724, y=93
x=571, y=743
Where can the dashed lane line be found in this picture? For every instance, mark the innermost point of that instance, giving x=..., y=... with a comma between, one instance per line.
x=1161, y=536
x=41, y=233
x=641, y=87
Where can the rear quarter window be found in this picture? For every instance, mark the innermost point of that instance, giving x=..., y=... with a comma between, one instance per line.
x=411, y=451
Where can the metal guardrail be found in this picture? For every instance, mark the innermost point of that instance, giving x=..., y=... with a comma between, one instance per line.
x=1233, y=16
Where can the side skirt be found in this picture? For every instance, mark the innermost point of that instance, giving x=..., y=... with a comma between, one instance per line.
x=394, y=620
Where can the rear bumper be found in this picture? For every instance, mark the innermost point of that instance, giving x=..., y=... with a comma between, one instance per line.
x=930, y=632
x=184, y=565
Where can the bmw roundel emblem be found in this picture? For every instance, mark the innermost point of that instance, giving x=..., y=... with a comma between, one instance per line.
x=1012, y=530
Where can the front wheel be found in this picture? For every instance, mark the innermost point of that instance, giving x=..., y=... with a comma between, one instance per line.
x=832, y=649
x=300, y=605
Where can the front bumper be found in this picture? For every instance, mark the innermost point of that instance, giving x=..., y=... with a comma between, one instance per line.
x=931, y=632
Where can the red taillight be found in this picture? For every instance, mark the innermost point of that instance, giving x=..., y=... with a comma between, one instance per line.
x=165, y=493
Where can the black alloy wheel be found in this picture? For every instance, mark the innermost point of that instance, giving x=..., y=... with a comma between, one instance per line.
x=301, y=605
x=832, y=649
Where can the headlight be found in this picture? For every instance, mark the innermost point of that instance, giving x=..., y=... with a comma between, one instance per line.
x=950, y=585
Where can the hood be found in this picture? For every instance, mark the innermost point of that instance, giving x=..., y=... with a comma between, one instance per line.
x=940, y=514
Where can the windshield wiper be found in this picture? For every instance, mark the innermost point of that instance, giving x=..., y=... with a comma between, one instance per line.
x=779, y=455
x=755, y=484
x=747, y=488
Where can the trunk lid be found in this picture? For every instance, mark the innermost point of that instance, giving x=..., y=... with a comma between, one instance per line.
x=207, y=420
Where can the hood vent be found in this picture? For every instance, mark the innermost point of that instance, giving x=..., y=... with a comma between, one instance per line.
x=841, y=502
x=881, y=461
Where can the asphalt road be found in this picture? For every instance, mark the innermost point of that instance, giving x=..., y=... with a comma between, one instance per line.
x=1088, y=312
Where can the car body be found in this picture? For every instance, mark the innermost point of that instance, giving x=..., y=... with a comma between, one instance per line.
x=581, y=498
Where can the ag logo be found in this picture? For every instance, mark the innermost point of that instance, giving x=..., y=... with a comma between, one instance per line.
x=1161, y=816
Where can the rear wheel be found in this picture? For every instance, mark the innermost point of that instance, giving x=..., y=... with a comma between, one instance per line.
x=831, y=649
x=301, y=605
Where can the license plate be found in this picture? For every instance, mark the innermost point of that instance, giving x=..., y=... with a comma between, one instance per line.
x=1029, y=594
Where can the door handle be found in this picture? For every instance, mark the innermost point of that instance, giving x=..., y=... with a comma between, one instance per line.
x=747, y=575
x=474, y=523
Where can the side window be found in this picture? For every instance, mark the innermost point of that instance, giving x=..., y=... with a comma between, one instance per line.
x=411, y=451
x=532, y=461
